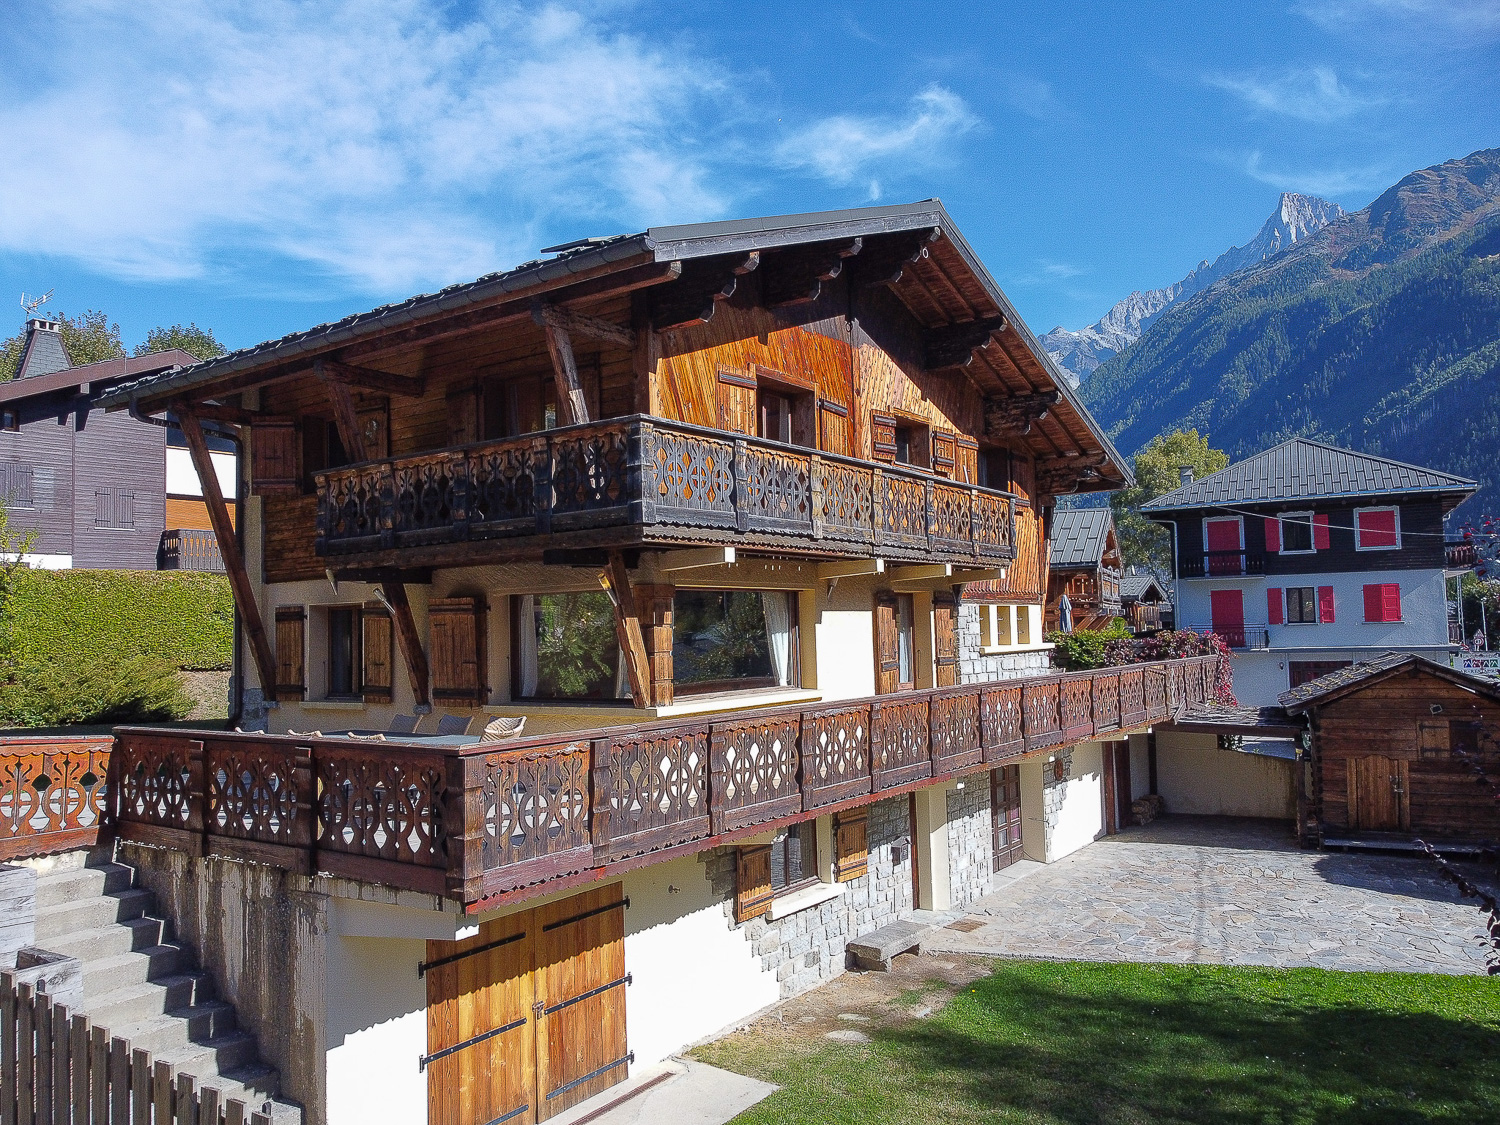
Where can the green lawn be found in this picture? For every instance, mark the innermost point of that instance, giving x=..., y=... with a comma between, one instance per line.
x=1083, y=1043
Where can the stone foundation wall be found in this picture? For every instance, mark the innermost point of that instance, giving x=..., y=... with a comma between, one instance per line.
x=807, y=948
x=970, y=840
x=976, y=667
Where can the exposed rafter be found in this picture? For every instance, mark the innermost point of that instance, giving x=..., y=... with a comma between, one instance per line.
x=795, y=277
x=368, y=379
x=692, y=298
x=885, y=258
x=953, y=345
x=1014, y=415
x=1062, y=476
x=578, y=324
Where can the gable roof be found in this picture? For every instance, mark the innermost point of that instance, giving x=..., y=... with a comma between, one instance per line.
x=134, y=366
x=43, y=352
x=962, y=291
x=1133, y=587
x=1345, y=681
x=1303, y=469
x=1080, y=536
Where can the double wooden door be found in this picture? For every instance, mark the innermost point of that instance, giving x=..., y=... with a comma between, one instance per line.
x=1379, y=794
x=527, y=1017
x=1005, y=816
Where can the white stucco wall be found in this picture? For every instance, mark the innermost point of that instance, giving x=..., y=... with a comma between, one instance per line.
x=377, y=1030
x=1195, y=777
x=1076, y=804
x=182, y=478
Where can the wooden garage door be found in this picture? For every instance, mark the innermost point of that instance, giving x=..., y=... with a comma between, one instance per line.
x=527, y=1017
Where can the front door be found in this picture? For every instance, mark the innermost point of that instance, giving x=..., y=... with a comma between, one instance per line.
x=1227, y=607
x=527, y=1017
x=1378, y=797
x=1005, y=816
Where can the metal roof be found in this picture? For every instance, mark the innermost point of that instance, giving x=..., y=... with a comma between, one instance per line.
x=1080, y=536
x=1134, y=586
x=1346, y=680
x=1303, y=469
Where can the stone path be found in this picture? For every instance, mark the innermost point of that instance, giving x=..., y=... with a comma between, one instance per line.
x=1221, y=891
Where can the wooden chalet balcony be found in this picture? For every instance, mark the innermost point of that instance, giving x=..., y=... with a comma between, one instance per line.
x=1221, y=564
x=641, y=481
x=476, y=822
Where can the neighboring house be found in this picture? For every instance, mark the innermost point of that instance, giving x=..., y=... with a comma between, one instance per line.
x=1306, y=558
x=1086, y=565
x=693, y=503
x=103, y=490
x=1395, y=743
x=1143, y=602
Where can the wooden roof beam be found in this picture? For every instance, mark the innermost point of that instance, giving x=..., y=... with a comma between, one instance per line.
x=549, y=315
x=885, y=259
x=953, y=345
x=695, y=295
x=796, y=276
x=368, y=379
x=1013, y=417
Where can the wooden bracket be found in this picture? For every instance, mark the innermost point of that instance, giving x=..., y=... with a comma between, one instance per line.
x=345, y=417
x=407, y=638
x=367, y=379
x=954, y=345
x=616, y=579
x=694, y=296
x=572, y=403
x=1061, y=476
x=886, y=257
x=1014, y=417
x=227, y=415
x=578, y=324
x=796, y=276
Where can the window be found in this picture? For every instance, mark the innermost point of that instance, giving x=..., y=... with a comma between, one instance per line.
x=906, y=663
x=321, y=449
x=794, y=858
x=1383, y=602
x=1224, y=542
x=564, y=647
x=1300, y=672
x=1302, y=605
x=994, y=469
x=1377, y=529
x=775, y=417
x=520, y=406
x=1297, y=533
x=343, y=651
x=726, y=640
x=10, y=420
x=114, y=508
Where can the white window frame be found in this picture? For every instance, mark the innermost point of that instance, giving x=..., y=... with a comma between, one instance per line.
x=1222, y=519
x=1312, y=533
x=1286, y=604
x=1379, y=508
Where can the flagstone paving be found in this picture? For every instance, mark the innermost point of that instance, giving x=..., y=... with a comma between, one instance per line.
x=1206, y=890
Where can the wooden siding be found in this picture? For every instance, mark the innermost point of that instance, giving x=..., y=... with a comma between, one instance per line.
x=42, y=449
x=289, y=529
x=193, y=514
x=114, y=453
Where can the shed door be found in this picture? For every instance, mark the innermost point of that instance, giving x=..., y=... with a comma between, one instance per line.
x=1227, y=607
x=1378, y=794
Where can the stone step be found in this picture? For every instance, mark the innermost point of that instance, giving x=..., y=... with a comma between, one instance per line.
x=70, y=884
x=218, y=1056
x=106, y=941
x=165, y=1033
x=136, y=1002
x=65, y=918
x=258, y=1086
x=134, y=967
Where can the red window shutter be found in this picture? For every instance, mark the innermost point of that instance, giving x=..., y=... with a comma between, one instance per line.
x=1373, y=606
x=1325, y=604
x=1273, y=605
x=1273, y=533
x=1376, y=529
x=1320, y=536
x=1390, y=597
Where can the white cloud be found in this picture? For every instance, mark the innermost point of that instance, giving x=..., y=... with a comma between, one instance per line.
x=841, y=149
x=389, y=144
x=1456, y=24
x=1324, y=182
x=1308, y=94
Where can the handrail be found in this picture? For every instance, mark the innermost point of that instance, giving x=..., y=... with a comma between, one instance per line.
x=483, y=820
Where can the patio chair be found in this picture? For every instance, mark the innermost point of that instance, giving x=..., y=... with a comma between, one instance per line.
x=506, y=726
x=403, y=724
x=454, y=724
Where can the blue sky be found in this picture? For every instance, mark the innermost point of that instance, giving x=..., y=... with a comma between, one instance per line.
x=263, y=166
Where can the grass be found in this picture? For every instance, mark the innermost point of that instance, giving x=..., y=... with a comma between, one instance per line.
x=1085, y=1043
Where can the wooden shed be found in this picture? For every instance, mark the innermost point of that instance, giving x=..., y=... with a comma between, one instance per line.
x=1395, y=744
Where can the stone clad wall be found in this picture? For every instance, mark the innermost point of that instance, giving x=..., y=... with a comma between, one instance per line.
x=976, y=667
x=970, y=841
x=807, y=948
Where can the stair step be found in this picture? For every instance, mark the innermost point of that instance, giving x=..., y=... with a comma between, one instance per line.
x=135, y=1002
x=164, y=1033
x=135, y=967
x=91, y=912
x=72, y=883
x=258, y=1086
x=105, y=941
x=214, y=1057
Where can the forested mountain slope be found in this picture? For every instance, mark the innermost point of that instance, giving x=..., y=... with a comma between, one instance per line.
x=1381, y=332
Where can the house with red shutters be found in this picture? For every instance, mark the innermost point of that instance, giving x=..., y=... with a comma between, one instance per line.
x=1307, y=558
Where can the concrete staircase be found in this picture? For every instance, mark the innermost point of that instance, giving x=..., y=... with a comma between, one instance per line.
x=144, y=987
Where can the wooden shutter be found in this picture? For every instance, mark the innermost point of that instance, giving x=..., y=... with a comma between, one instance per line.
x=752, y=896
x=851, y=847
x=464, y=415
x=1376, y=528
x=376, y=675
x=457, y=650
x=833, y=428
x=966, y=459
x=887, y=653
x=736, y=401
x=291, y=633
x=1390, y=595
x=1273, y=534
x=1273, y=605
x=945, y=639
x=942, y=458
x=1325, y=605
x=273, y=458
x=1320, y=532
x=883, y=436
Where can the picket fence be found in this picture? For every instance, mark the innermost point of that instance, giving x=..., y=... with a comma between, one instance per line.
x=56, y=1068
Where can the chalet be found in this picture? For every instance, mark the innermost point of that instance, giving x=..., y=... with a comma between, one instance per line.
x=1143, y=602
x=606, y=620
x=1398, y=745
x=1086, y=566
x=103, y=490
x=1307, y=558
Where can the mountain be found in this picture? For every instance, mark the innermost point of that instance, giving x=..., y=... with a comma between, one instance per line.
x=1379, y=332
x=1079, y=353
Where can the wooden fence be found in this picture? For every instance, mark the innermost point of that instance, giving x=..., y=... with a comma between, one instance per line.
x=57, y=1068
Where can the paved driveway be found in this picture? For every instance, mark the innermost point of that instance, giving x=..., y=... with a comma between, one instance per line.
x=1206, y=890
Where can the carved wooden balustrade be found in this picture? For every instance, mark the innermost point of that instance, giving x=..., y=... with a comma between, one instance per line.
x=476, y=822
x=51, y=793
x=647, y=481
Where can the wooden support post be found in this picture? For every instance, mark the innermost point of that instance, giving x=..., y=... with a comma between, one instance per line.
x=229, y=549
x=654, y=608
x=571, y=402
x=341, y=399
x=628, y=631
x=407, y=639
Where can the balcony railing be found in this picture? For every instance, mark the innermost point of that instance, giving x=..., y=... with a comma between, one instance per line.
x=1460, y=556
x=1221, y=564
x=187, y=549
x=475, y=822
x=644, y=480
x=1239, y=637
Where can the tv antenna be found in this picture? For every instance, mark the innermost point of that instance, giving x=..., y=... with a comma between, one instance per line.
x=29, y=306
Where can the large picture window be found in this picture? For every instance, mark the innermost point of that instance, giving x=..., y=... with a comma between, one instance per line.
x=727, y=640
x=565, y=648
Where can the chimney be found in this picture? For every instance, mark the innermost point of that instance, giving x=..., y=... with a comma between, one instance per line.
x=44, y=351
x=1185, y=474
